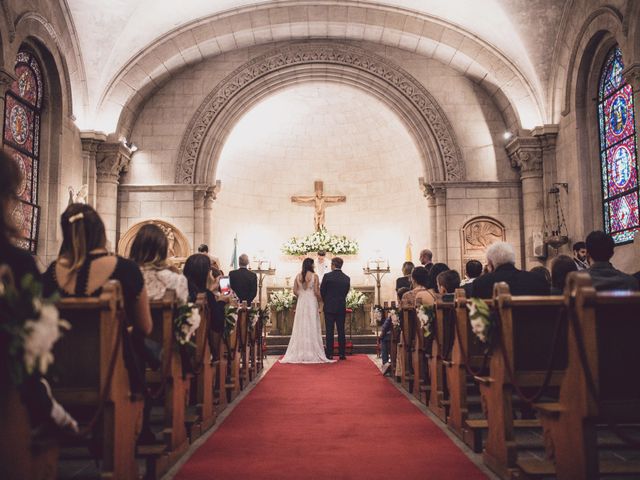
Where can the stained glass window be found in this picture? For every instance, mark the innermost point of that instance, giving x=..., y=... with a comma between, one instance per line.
x=21, y=137
x=618, y=151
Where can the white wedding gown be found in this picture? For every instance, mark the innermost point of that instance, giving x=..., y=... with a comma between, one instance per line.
x=305, y=345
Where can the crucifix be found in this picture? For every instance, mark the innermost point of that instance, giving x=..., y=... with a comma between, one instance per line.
x=320, y=202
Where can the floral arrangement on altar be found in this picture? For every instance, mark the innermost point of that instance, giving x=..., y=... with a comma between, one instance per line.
x=321, y=240
x=282, y=300
x=395, y=318
x=355, y=299
x=480, y=320
x=427, y=316
x=186, y=323
x=29, y=328
x=230, y=319
x=377, y=315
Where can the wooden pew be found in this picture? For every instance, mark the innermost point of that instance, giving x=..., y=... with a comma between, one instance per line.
x=230, y=347
x=253, y=343
x=440, y=352
x=220, y=370
x=468, y=353
x=170, y=383
x=521, y=353
x=603, y=336
x=244, y=348
x=204, y=369
x=418, y=353
x=407, y=343
x=395, y=339
x=100, y=378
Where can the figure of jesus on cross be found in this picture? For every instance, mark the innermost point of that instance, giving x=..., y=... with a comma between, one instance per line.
x=320, y=202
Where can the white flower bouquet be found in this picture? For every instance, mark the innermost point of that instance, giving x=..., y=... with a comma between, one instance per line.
x=321, y=240
x=230, y=319
x=29, y=327
x=481, y=324
x=377, y=315
x=355, y=299
x=426, y=316
x=282, y=300
x=395, y=318
x=186, y=323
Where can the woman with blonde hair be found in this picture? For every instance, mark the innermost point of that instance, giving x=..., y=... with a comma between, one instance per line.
x=149, y=250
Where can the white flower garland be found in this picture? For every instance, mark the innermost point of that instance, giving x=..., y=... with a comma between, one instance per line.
x=321, y=240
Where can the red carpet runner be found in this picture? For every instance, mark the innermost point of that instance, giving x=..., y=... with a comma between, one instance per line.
x=337, y=421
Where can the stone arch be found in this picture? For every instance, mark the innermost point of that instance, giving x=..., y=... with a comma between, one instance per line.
x=204, y=136
x=181, y=249
x=516, y=91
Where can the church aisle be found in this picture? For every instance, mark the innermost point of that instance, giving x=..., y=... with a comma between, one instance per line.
x=330, y=421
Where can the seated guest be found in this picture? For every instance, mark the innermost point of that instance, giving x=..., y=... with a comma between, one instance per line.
x=42, y=408
x=562, y=266
x=448, y=281
x=544, y=273
x=474, y=270
x=243, y=281
x=405, y=280
x=580, y=255
x=203, y=248
x=385, y=336
x=149, y=251
x=501, y=258
x=436, y=270
x=84, y=266
x=420, y=282
x=604, y=277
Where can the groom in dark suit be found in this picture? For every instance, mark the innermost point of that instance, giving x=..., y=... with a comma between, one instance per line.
x=333, y=289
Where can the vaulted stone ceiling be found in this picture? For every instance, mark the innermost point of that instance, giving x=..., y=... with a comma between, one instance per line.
x=113, y=32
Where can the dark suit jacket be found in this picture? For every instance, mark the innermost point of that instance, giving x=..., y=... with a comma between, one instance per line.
x=403, y=282
x=605, y=277
x=520, y=282
x=333, y=289
x=245, y=283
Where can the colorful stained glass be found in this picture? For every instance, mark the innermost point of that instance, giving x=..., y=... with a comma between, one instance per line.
x=618, y=151
x=618, y=111
x=21, y=138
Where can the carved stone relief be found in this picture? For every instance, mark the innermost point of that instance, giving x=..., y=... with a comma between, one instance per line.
x=178, y=243
x=476, y=235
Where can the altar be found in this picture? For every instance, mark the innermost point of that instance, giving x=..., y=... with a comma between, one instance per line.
x=356, y=323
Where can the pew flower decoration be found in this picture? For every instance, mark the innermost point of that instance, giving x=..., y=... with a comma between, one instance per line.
x=265, y=314
x=230, y=319
x=186, y=323
x=254, y=316
x=376, y=315
x=29, y=327
x=479, y=318
x=426, y=315
x=318, y=241
x=355, y=299
x=282, y=300
x=395, y=318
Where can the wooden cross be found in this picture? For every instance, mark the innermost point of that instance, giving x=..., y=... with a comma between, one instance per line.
x=320, y=202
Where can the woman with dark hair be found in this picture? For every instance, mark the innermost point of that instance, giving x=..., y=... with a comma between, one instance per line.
x=562, y=266
x=19, y=261
x=543, y=273
x=84, y=265
x=420, y=281
x=436, y=270
x=149, y=251
x=35, y=393
x=305, y=345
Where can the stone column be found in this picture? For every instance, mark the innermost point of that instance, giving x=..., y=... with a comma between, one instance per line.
x=203, y=202
x=427, y=191
x=91, y=140
x=6, y=79
x=440, y=195
x=525, y=154
x=111, y=160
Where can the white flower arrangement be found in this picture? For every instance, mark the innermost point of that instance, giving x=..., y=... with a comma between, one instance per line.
x=355, y=299
x=282, y=300
x=426, y=316
x=479, y=318
x=395, y=318
x=30, y=326
x=321, y=240
x=230, y=319
x=186, y=324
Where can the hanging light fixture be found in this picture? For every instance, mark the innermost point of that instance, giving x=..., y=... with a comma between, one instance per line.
x=555, y=230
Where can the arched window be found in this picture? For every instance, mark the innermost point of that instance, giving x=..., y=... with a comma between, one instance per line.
x=618, y=151
x=23, y=103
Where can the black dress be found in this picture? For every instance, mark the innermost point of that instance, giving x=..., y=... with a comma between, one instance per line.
x=19, y=261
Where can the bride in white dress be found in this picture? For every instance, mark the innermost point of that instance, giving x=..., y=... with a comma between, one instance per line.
x=305, y=345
